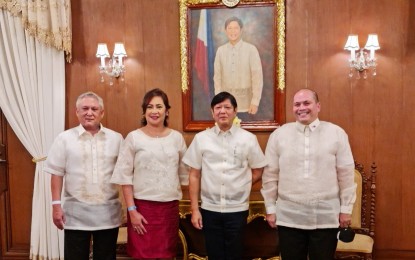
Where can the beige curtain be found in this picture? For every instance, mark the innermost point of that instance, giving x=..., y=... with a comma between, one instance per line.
x=49, y=21
x=34, y=34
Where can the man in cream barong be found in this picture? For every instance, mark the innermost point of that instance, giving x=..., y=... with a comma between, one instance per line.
x=308, y=185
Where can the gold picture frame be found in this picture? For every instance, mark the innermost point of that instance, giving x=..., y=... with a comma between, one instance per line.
x=265, y=25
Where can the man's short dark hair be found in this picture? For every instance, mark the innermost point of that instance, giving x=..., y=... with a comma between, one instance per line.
x=234, y=19
x=222, y=96
x=315, y=96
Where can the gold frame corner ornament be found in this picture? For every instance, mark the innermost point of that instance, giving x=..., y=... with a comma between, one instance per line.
x=230, y=3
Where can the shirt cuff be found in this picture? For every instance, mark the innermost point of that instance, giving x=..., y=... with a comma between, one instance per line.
x=346, y=209
x=271, y=209
x=255, y=101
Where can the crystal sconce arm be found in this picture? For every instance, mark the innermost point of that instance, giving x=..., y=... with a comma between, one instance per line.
x=115, y=67
x=362, y=61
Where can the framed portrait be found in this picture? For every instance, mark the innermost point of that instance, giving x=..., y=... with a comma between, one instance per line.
x=236, y=46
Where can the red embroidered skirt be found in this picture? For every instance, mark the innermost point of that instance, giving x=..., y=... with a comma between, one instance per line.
x=161, y=238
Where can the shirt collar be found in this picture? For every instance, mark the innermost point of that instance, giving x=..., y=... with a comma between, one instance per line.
x=313, y=126
x=238, y=45
x=217, y=130
x=81, y=130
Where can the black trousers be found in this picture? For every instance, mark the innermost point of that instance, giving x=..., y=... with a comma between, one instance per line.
x=77, y=243
x=223, y=234
x=316, y=244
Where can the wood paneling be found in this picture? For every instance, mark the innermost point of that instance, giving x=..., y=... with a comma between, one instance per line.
x=16, y=201
x=376, y=112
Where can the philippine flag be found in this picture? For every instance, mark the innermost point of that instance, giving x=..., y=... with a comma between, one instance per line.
x=203, y=61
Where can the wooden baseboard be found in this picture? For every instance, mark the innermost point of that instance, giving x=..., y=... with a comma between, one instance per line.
x=15, y=256
x=394, y=254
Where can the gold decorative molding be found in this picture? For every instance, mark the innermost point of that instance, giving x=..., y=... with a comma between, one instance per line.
x=194, y=256
x=184, y=243
x=197, y=2
x=281, y=44
x=184, y=208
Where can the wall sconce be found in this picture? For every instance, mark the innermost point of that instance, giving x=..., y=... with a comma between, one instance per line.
x=362, y=61
x=115, y=68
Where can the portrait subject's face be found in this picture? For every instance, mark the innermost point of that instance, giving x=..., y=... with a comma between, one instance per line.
x=234, y=32
x=224, y=114
x=305, y=107
x=156, y=112
x=89, y=113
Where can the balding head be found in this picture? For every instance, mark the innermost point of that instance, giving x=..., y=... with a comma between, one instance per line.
x=306, y=106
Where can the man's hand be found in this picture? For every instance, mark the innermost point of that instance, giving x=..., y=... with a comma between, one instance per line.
x=58, y=216
x=252, y=109
x=272, y=220
x=197, y=219
x=345, y=220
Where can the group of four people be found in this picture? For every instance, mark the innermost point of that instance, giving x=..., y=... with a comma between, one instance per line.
x=307, y=177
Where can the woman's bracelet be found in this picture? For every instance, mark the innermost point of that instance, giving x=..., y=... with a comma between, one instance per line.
x=131, y=208
x=56, y=202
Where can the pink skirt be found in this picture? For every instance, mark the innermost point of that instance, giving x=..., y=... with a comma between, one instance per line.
x=161, y=238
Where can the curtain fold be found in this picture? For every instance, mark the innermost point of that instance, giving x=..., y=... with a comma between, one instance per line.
x=32, y=98
x=49, y=21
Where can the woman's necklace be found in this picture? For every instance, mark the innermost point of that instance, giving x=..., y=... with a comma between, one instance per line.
x=153, y=133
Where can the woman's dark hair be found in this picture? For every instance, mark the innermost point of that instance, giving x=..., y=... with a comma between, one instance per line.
x=222, y=96
x=147, y=99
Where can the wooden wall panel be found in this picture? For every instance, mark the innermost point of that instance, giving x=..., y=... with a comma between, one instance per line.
x=161, y=45
x=408, y=126
x=389, y=121
x=21, y=180
x=16, y=201
x=376, y=112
